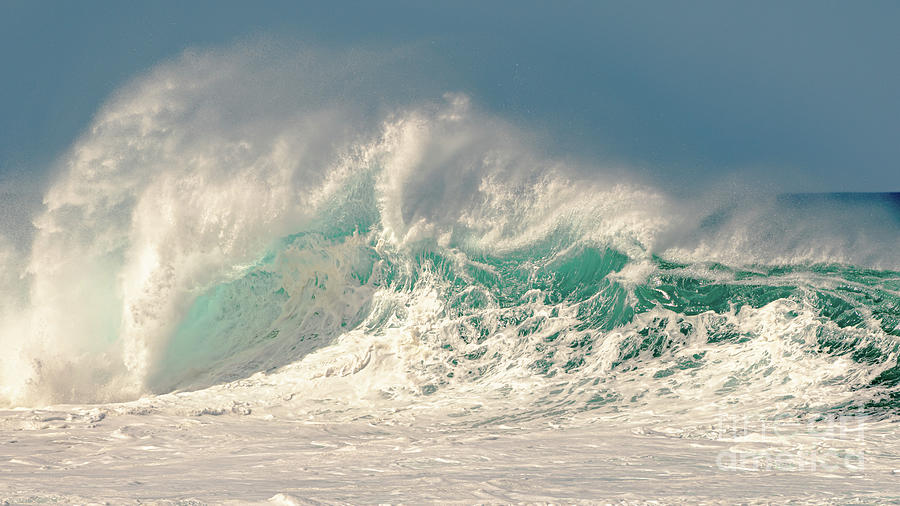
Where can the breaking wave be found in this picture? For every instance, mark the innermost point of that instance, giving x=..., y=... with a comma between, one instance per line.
x=213, y=228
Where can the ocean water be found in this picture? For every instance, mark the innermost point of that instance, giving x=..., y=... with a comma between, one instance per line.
x=225, y=300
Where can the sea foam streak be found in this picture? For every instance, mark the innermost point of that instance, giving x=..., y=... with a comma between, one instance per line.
x=256, y=250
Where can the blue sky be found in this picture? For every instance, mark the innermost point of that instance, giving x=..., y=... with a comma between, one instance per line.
x=802, y=95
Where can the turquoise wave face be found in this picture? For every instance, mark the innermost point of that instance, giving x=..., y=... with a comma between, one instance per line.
x=588, y=318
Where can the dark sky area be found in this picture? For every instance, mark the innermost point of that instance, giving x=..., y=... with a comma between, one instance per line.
x=799, y=95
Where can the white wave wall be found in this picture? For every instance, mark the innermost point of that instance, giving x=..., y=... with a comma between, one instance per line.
x=191, y=171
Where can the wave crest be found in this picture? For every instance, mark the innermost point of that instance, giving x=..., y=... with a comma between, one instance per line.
x=212, y=224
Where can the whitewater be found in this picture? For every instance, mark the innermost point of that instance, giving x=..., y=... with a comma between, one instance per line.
x=298, y=281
